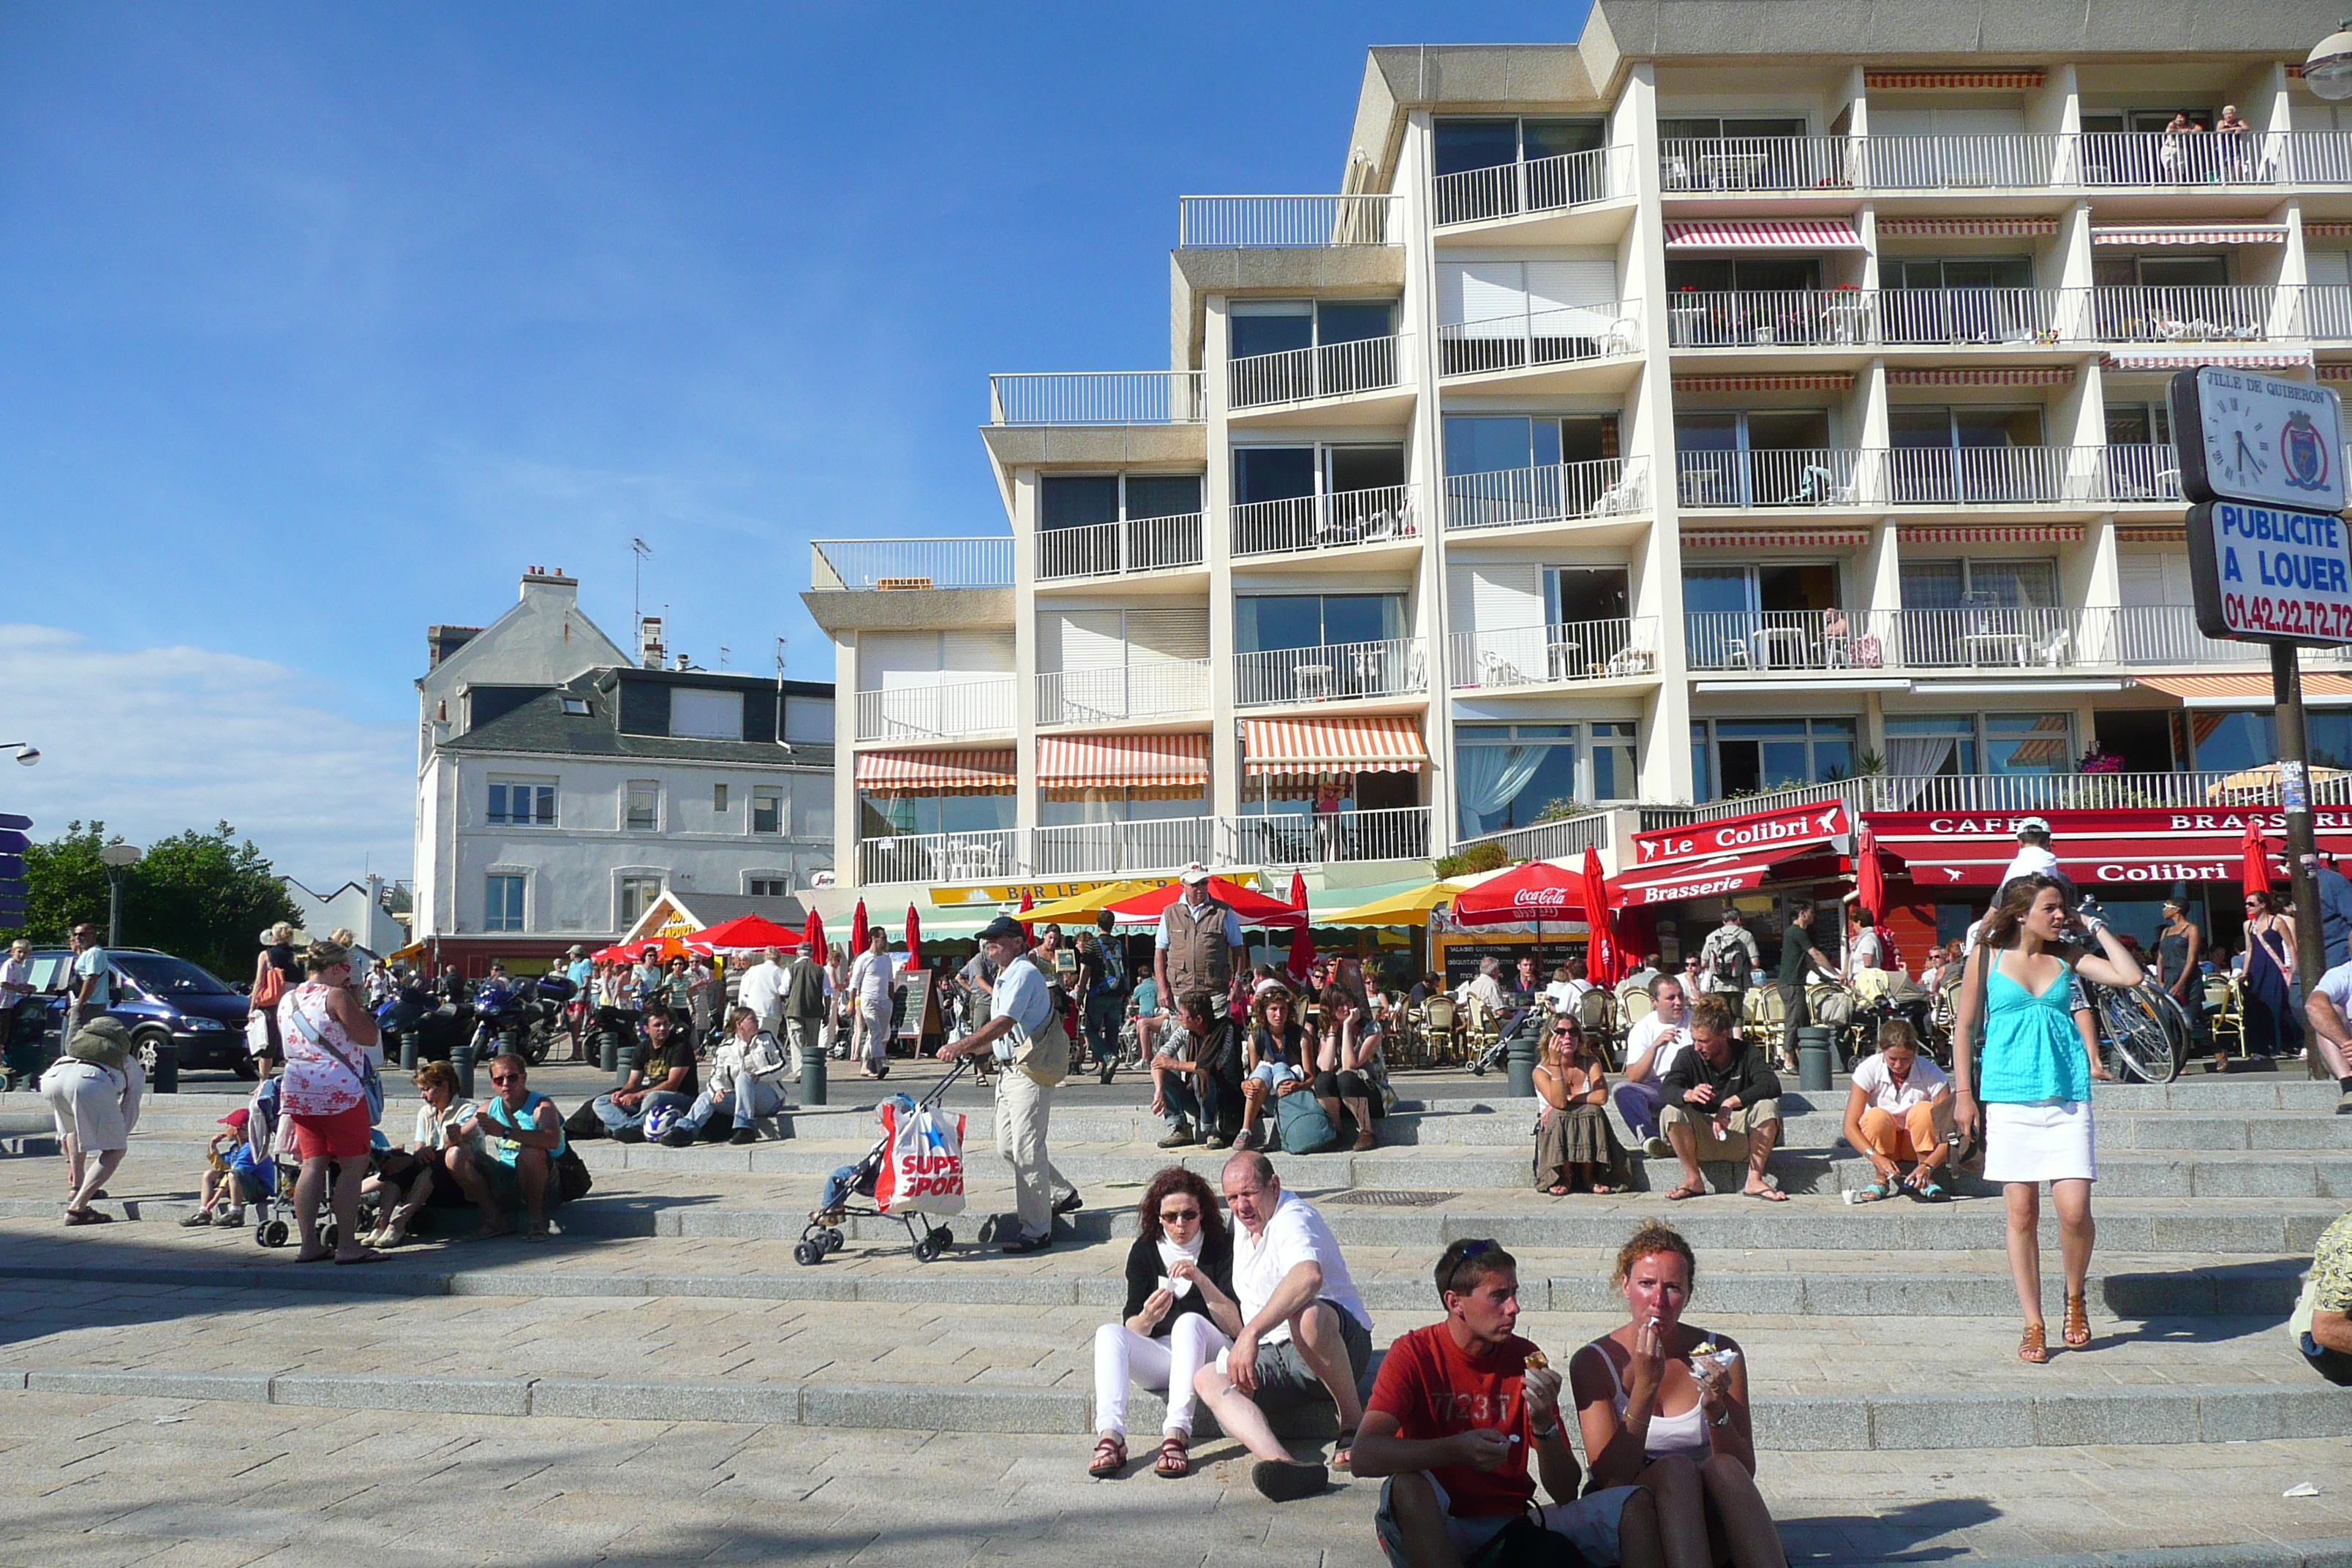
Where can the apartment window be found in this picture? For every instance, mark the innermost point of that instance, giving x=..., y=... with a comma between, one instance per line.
x=718, y=800
x=813, y=807
x=1713, y=152
x=634, y=897
x=767, y=887
x=1510, y=775
x=1732, y=757
x=1972, y=454
x=899, y=816
x=1096, y=501
x=767, y=811
x=2139, y=425
x=698, y=715
x=1279, y=326
x=1953, y=744
x=517, y=805
x=1464, y=147
x=1979, y=583
x=1978, y=299
x=502, y=901
x=2234, y=741
x=645, y=806
x=1733, y=458
x=1297, y=498
x=1742, y=275
x=1267, y=622
x=1493, y=443
x=808, y=720
x=1758, y=617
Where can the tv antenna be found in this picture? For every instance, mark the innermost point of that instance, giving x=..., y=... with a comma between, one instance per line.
x=641, y=550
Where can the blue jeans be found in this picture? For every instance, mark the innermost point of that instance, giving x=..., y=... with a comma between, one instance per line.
x=615, y=1118
x=1104, y=1017
x=750, y=1096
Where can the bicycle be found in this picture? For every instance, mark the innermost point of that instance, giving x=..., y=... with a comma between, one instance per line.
x=2142, y=1031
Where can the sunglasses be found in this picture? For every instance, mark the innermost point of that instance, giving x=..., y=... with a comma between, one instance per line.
x=1180, y=1217
x=504, y=1078
x=1470, y=1249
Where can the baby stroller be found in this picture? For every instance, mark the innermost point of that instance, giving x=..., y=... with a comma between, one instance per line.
x=914, y=1210
x=268, y=1168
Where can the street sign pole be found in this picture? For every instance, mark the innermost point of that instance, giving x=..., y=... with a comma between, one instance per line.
x=2302, y=845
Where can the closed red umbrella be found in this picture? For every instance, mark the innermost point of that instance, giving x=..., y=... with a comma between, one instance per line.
x=1869, y=875
x=1538, y=891
x=1302, y=942
x=858, y=933
x=813, y=938
x=914, y=939
x=2257, y=872
x=1027, y=903
x=1603, y=963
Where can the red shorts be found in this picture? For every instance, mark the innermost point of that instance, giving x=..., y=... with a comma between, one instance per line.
x=345, y=1135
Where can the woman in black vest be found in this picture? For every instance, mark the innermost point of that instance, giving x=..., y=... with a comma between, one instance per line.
x=1180, y=1313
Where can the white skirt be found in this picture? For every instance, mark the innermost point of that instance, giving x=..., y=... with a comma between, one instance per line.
x=2046, y=1141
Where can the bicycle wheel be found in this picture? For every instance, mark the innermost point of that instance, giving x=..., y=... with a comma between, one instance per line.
x=2137, y=1035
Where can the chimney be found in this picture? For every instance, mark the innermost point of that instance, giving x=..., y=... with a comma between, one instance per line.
x=650, y=651
x=538, y=581
x=683, y=662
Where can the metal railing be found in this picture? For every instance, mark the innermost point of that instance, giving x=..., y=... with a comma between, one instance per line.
x=1205, y=223
x=1540, y=184
x=945, y=712
x=1103, y=849
x=2190, y=313
x=2016, y=159
x=1096, y=398
x=1976, y=637
x=1735, y=163
x=1155, y=689
x=2148, y=634
x=2162, y=158
x=945, y=857
x=1960, y=316
x=1776, y=318
x=1573, y=650
x=1109, y=549
x=1396, y=832
x=2136, y=473
x=1797, y=476
x=1331, y=370
x=1540, y=335
x=1390, y=667
x=1328, y=521
x=2325, y=311
x=1606, y=486
x=1986, y=475
x=847, y=563
x=1564, y=838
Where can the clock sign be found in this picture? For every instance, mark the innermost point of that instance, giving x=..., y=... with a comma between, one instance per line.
x=2255, y=438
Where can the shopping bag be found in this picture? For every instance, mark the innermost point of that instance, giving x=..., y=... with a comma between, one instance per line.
x=924, y=1170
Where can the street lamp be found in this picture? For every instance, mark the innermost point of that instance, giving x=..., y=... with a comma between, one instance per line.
x=25, y=753
x=2327, y=70
x=119, y=858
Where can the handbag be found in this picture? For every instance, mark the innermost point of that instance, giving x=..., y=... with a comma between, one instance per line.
x=370, y=1086
x=271, y=989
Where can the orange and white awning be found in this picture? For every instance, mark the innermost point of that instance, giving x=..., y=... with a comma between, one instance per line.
x=2172, y=233
x=2025, y=533
x=2190, y=358
x=1176, y=764
x=1764, y=234
x=1981, y=376
x=1967, y=227
x=1775, y=539
x=2336, y=371
x=2012, y=80
x=2244, y=691
x=941, y=773
x=1362, y=743
x=1794, y=381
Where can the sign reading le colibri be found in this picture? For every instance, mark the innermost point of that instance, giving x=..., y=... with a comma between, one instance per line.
x=2269, y=558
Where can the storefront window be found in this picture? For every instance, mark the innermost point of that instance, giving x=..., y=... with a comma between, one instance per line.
x=1508, y=775
x=1750, y=756
x=1929, y=748
x=2231, y=742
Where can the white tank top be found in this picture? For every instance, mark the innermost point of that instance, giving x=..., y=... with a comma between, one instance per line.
x=1683, y=1433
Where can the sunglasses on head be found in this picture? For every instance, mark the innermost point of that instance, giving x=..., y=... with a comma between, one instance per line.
x=1470, y=1249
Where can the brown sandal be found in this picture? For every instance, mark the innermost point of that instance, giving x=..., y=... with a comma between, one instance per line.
x=1175, y=1458
x=1110, y=1457
x=2031, y=1348
x=2078, y=1332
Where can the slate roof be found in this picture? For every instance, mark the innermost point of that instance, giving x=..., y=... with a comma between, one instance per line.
x=541, y=727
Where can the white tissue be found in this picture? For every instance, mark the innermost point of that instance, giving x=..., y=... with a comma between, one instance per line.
x=1179, y=1289
x=2302, y=1489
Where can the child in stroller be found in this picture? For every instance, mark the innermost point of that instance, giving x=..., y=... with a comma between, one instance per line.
x=235, y=1170
x=823, y=1233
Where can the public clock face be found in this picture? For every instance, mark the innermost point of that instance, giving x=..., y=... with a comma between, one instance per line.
x=2241, y=440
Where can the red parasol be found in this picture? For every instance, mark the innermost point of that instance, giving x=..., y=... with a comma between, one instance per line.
x=858, y=935
x=1869, y=875
x=1302, y=942
x=1027, y=903
x=914, y=939
x=813, y=938
x=615, y=955
x=1603, y=962
x=1538, y=891
x=1254, y=907
x=744, y=933
x=2257, y=871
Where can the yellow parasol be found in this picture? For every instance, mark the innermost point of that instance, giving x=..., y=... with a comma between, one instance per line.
x=1407, y=909
x=1086, y=905
x=2259, y=787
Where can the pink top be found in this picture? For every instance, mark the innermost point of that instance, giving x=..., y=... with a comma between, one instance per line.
x=316, y=1083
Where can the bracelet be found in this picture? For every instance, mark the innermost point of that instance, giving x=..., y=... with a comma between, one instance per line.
x=1540, y=1433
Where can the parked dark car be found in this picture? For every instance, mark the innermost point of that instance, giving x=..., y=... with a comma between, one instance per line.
x=159, y=998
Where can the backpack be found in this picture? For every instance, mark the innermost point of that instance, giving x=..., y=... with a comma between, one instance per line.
x=1730, y=963
x=1302, y=1125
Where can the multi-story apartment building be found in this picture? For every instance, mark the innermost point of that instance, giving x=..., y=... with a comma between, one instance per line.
x=1737, y=400
x=562, y=787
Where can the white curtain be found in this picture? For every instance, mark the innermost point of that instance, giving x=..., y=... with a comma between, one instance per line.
x=1918, y=757
x=1490, y=778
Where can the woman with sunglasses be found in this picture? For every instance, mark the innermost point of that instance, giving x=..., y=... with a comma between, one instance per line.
x=1575, y=1145
x=1180, y=1313
x=2272, y=1028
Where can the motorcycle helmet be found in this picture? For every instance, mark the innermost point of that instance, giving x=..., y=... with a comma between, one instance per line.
x=660, y=1121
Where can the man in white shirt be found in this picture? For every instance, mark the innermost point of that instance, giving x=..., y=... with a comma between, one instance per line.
x=1306, y=1335
x=1487, y=988
x=1036, y=1060
x=1651, y=1048
x=2327, y=1012
x=2034, y=857
x=1899, y=1109
x=869, y=982
x=762, y=991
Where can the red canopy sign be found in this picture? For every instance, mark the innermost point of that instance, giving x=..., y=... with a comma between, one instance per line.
x=1538, y=891
x=1705, y=879
x=2149, y=846
x=1801, y=825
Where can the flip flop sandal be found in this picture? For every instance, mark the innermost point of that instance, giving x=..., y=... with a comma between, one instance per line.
x=1110, y=1457
x=1932, y=1192
x=1684, y=1191
x=368, y=1257
x=1175, y=1462
x=1877, y=1191
x=1767, y=1195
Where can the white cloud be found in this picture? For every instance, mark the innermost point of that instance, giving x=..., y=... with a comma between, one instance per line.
x=152, y=740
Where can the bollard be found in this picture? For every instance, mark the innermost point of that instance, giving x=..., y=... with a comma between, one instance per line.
x=1521, y=1054
x=461, y=1062
x=812, y=1074
x=608, y=1049
x=164, y=1077
x=626, y=1065
x=408, y=1051
x=1813, y=1058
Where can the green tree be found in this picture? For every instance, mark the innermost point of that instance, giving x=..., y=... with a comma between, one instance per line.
x=203, y=896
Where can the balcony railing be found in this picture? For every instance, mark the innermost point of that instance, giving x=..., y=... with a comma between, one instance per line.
x=1111, y=549
x=1798, y=476
x=2016, y=792
x=1400, y=832
x=846, y=563
x=1607, y=487
x=2014, y=161
x=1976, y=637
x=1778, y=318
x=946, y=857
x=1862, y=318
x=1756, y=164
x=1540, y=184
x=1573, y=650
x=1207, y=223
x=1392, y=667
x=1546, y=335
x=949, y=709
x=2325, y=311
x=1161, y=688
x=1338, y=522
x=1107, y=849
x=2021, y=160
x=2191, y=313
x=2149, y=473
x=1564, y=838
x=1959, y=316
x=1096, y=398
x=1331, y=370
x=1904, y=476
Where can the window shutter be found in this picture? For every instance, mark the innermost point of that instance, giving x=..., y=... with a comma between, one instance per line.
x=1160, y=636
x=1091, y=640
x=1485, y=299
x=888, y=659
x=1571, y=299
x=2328, y=266
x=977, y=653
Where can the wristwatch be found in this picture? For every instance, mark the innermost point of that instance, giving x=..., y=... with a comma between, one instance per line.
x=1540, y=1433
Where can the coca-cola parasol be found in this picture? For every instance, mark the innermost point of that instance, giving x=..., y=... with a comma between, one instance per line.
x=1538, y=891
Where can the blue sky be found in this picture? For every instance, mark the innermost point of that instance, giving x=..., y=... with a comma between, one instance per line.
x=324, y=321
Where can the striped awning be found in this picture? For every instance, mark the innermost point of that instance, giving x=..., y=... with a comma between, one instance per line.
x=1178, y=764
x=2335, y=370
x=2240, y=690
x=2035, y=534
x=2316, y=230
x=2012, y=80
x=941, y=773
x=1982, y=375
x=2189, y=358
x=1775, y=539
x=1363, y=744
x=2190, y=233
x=1967, y=227
x=1764, y=234
x=2155, y=535
x=1807, y=381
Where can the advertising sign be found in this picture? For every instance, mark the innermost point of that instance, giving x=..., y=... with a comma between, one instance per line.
x=2147, y=846
x=2262, y=574
x=2257, y=438
x=1738, y=834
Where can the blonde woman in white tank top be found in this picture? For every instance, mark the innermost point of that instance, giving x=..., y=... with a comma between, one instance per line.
x=1648, y=1419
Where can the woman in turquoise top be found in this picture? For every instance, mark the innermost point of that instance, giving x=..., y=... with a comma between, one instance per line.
x=2026, y=1091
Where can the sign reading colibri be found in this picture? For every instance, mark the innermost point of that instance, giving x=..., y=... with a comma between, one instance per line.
x=2269, y=558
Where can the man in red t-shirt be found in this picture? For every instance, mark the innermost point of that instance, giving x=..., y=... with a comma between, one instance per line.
x=1451, y=1418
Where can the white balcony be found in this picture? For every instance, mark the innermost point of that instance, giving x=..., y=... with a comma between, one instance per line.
x=1393, y=667
x=2018, y=161
x=1162, y=688
x=1538, y=185
x=2213, y=313
x=1331, y=370
x=1117, y=549
x=1571, y=651
x=1738, y=165
x=1096, y=398
x=1115, y=849
x=1540, y=336
x=1864, y=318
x=1987, y=638
x=2145, y=474
x=1346, y=519
x=952, y=708
x=1556, y=492
x=1103, y=849
x=1287, y=222
x=1400, y=832
x=841, y=564
x=1763, y=477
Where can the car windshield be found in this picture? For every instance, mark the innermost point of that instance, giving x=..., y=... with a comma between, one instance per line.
x=169, y=976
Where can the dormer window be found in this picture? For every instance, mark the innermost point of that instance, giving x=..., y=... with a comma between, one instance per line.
x=575, y=707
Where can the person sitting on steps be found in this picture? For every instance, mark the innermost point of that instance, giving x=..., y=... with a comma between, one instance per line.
x=746, y=1082
x=1276, y=1061
x=1722, y=1101
x=1198, y=1078
x=1180, y=1313
x=1900, y=1109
